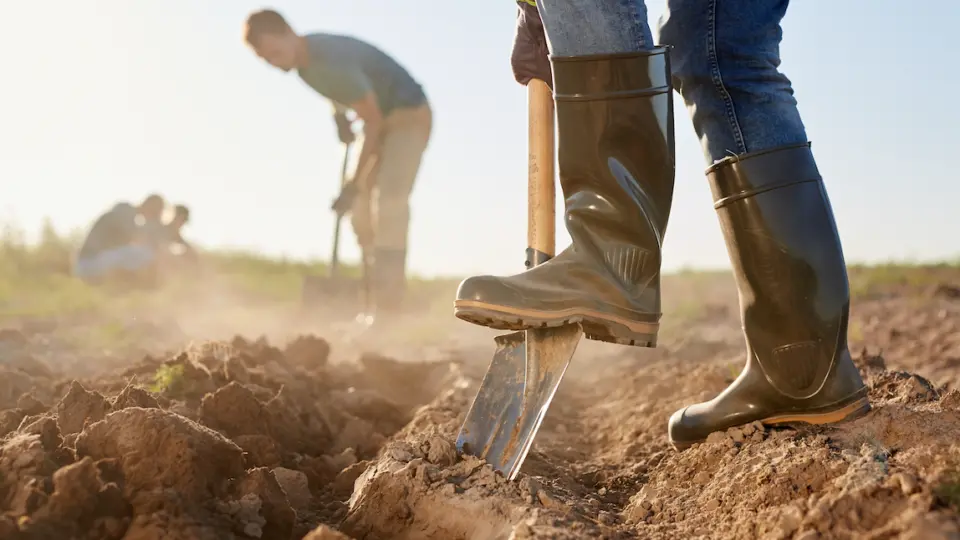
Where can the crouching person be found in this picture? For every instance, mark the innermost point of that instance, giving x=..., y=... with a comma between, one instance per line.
x=116, y=250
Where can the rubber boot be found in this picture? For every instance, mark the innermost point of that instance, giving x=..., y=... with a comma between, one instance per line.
x=794, y=299
x=616, y=168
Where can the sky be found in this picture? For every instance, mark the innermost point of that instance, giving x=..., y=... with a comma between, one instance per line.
x=107, y=103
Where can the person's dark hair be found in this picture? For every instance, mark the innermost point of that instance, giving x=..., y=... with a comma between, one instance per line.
x=182, y=212
x=153, y=199
x=152, y=206
x=263, y=22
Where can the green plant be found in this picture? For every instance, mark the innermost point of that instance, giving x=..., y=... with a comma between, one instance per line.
x=168, y=379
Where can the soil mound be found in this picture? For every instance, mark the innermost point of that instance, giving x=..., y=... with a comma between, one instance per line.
x=246, y=440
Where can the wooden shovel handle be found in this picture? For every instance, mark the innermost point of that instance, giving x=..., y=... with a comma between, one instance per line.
x=541, y=195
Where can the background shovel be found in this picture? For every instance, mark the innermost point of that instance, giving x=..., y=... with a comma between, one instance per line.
x=527, y=367
x=336, y=290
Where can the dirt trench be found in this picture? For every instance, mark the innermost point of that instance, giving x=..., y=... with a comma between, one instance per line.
x=247, y=440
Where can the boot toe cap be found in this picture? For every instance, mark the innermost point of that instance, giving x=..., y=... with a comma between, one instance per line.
x=484, y=289
x=680, y=429
x=692, y=424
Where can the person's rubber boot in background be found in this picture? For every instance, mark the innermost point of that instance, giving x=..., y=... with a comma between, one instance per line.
x=616, y=168
x=794, y=299
x=389, y=284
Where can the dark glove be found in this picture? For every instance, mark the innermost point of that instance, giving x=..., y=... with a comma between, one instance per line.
x=344, y=128
x=344, y=202
x=530, y=56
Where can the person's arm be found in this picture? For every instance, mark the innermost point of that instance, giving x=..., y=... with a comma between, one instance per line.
x=351, y=87
x=368, y=110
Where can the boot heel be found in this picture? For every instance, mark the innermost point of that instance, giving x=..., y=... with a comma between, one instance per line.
x=613, y=332
x=847, y=413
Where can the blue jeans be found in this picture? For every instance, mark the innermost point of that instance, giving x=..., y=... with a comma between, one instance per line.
x=130, y=258
x=725, y=57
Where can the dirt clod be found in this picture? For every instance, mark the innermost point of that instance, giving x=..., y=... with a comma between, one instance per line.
x=157, y=450
x=79, y=408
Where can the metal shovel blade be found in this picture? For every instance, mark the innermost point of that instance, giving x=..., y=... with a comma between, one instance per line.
x=515, y=394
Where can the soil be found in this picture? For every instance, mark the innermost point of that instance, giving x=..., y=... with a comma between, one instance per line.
x=246, y=439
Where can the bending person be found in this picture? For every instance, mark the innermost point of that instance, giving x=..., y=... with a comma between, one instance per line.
x=397, y=122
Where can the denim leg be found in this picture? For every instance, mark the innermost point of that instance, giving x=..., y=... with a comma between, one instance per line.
x=724, y=59
x=582, y=27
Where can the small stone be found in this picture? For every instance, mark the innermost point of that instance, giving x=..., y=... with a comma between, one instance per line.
x=817, y=514
x=736, y=435
x=716, y=437
x=702, y=477
x=253, y=529
x=521, y=531
x=712, y=505
x=637, y=514
x=790, y=520
x=440, y=451
x=914, y=388
x=602, y=491
x=908, y=483
x=399, y=452
x=529, y=486
x=324, y=532
x=607, y=518
x=295, y=485
x=648, y=492
x=549, y=500
x=950, y=401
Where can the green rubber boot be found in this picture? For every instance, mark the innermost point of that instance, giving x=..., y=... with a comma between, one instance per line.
x=616, y=168
x=794, y=298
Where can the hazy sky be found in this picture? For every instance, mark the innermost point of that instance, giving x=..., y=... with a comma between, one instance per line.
x=114, y=101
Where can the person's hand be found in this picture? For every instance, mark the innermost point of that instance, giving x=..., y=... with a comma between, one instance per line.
x=530, y=58
x=344, y=201
x=344, y=127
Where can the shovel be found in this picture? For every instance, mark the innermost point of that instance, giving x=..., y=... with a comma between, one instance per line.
x=334, y=289
x=527, y=366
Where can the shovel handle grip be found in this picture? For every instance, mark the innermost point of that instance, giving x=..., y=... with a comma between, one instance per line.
x=541, y=194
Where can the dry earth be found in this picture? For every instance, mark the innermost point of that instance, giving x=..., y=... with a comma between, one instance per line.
x=318, y=439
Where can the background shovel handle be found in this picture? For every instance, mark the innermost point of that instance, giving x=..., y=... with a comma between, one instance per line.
x=541, y=194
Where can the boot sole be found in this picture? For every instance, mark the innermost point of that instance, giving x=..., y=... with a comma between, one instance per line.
x=847, y=413
x=596, y=326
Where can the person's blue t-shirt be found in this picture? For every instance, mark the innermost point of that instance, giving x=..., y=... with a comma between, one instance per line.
x=343, y=69
x=117, y=227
